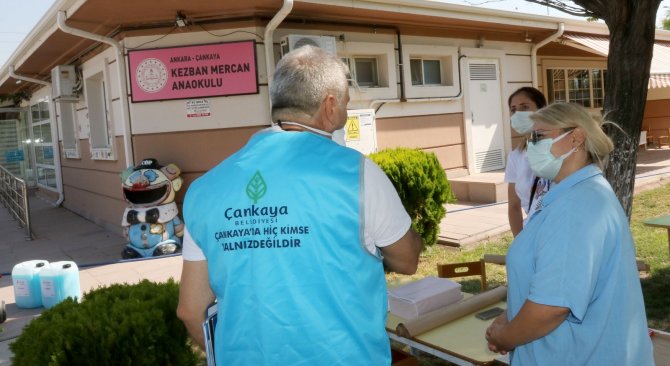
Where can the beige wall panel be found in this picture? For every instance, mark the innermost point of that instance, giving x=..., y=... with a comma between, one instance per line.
x=658, y=93
x=517, y=68
x=225, y=112
x=450, y=157
x=94, y=181
x=102, y=210
x=192, y=151
x=420, y=131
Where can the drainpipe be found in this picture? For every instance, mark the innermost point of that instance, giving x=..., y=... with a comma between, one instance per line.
x=533, y=51
x=54, y=131
x=269, y=41
x=123, y=75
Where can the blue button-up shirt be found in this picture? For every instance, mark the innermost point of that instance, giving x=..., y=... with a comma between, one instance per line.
x=577, y=252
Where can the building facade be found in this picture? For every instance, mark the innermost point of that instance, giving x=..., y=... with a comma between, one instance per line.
x=105, y=85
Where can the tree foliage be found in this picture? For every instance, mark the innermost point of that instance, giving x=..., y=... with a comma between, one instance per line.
x=631, y=26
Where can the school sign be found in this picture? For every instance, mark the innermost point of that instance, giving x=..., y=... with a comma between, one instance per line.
x=193, y=71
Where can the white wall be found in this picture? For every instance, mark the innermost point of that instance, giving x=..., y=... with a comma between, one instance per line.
x=252, y=110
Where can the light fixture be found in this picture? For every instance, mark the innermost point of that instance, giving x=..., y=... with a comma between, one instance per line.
x=527, y=38
x=180, y=20
x=480, y=42
x=18, y=81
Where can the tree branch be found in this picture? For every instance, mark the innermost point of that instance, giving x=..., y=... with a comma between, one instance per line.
x=568, y=9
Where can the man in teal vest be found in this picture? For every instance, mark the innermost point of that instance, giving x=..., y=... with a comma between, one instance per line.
x=292, y=234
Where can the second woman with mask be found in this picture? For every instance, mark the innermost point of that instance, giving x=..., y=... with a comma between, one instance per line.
x=524, y=188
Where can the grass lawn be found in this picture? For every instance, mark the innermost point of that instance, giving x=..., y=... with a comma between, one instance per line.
x=651, y=246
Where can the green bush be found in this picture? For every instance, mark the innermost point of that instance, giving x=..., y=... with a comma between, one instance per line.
x=115, y=325
x=422, y=186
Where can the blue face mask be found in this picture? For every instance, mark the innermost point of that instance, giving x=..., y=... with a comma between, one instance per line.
x=542, y=162
x=521, y=122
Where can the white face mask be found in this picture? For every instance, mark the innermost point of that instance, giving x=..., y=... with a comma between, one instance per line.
x=309, y=128
x=338, y=136
x=521, y=122
x=542, y=162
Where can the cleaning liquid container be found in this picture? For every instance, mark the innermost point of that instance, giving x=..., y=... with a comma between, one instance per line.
x=26, y=282
x=58, y=281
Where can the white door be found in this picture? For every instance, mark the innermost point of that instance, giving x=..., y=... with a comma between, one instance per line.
x=15, y=144
x=488, y=145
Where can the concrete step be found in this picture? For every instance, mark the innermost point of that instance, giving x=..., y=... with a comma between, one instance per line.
x=480, y=188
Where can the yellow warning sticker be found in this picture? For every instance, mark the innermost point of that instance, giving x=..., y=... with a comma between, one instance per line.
x=352, y=129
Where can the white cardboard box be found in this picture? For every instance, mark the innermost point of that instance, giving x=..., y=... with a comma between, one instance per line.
x=425, y=295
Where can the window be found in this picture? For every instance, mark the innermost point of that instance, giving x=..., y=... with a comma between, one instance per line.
x=430, y=71
x=366, y=71
x=67, y=114
x=101, y=136
x=582, y=86
x=372, y=67
x=426, y=71
x=363, y=70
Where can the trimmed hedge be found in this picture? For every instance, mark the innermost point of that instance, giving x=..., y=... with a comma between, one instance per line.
x=422, y=186
x=116, y=325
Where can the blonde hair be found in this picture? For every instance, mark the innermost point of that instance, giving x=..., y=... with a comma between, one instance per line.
x=569, y=115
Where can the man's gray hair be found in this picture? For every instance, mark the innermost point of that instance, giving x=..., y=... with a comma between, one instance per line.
x=302, y=80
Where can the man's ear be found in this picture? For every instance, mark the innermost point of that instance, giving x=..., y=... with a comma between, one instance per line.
x=329, y=109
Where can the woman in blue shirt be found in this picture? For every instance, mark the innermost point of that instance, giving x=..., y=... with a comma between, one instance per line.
x=574, y=295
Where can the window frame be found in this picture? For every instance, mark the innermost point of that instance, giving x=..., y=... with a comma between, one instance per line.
x=423, y=61
x=449, y=68
x=570, y=89
x=69, y=129
x=387, y=72
x=374, y=62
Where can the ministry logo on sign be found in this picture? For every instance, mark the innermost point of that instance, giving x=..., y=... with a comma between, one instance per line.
x=256, y=188
x=151, y=75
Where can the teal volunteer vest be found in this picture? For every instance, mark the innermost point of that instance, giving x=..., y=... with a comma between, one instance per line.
x=280, y=223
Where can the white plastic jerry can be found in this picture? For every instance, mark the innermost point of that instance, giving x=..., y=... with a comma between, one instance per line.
x=58, y=281
x=26, y=283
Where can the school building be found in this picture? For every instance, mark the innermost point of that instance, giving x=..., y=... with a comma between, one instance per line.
x=99, y=85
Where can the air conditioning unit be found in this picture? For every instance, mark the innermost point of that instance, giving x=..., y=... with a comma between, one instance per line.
x=63, y=80
x=293, y=41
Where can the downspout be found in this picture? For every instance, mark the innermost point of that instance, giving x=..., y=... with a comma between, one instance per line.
x=268, y=41
x=533, y=51
x=403, y=97
x=54, y=131
x=123, y=75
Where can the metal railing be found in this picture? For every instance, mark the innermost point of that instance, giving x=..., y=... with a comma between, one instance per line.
x=14, y=196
